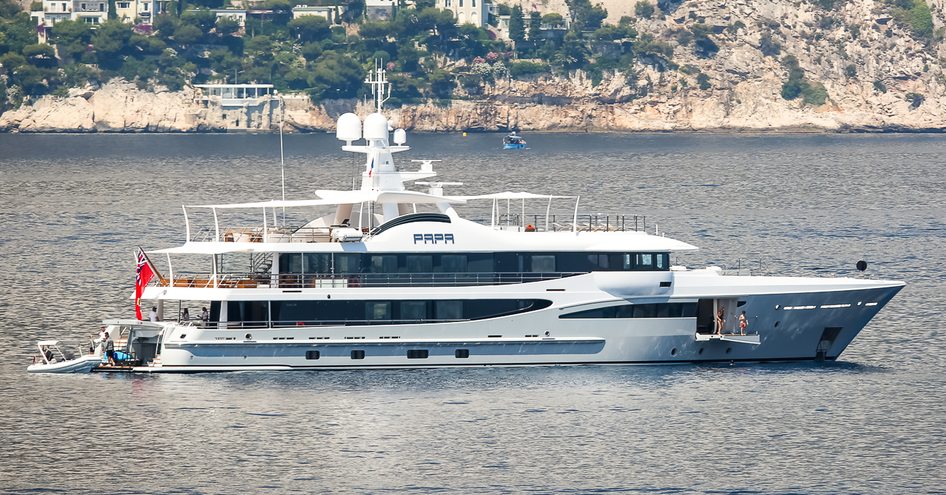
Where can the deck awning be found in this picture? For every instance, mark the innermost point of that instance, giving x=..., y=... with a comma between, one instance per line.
x=209, y=248
x=330, y=197
x=514, y=195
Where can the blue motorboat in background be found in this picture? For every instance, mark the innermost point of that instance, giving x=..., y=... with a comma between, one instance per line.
x=514, y=142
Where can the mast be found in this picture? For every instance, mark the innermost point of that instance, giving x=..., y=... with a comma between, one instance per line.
x=379, y=174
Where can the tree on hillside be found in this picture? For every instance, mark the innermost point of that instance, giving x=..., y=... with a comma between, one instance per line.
x=227, y=27
x=187, y=34
x=204, y=20
x=586, y=17
x=9, y=9
x=310, y=28
x=535, y=26
x=517, y=28
x=644, y=9
x=16, y=31
x=335, y=75
x=110, y=41
x=72, y=39
x=354, y=11
x=40, y=55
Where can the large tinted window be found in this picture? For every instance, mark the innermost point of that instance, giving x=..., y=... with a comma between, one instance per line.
x=317, y=262
x=452, y=263
x=660, y=310
x=382, y=263
x=329, y=312
x=251, y=313
x=348, y=263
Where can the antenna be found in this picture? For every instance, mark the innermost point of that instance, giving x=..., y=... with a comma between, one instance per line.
x=378, y=84
x=282, y=156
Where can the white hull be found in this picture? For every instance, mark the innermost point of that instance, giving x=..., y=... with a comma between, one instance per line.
x=783, y=326
x=83, y=364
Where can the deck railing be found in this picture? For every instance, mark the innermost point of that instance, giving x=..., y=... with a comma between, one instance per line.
x=531, y=222
x=319, y=280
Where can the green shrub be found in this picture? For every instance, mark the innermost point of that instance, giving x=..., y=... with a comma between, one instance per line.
x=768, y=47
x=814, y=93
x=915, y=99
x=644, y=9
x=916, y=15
x=850, y=71
x=526, y=68
x=703, y=81
x=879, y=86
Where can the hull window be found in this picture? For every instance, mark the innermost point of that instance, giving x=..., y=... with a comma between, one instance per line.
x=357, y=354
x=417, y=354
x=462, y=353
x=312, y=354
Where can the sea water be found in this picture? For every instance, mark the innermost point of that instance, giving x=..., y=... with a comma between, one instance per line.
x=73, y=209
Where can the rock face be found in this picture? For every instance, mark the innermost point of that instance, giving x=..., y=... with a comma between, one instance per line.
x=876, y=74
x=118, y=106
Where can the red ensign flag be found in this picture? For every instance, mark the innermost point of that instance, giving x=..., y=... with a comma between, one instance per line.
x=143, y=274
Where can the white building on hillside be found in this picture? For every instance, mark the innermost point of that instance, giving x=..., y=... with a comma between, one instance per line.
x=328, y=12
x=237, y=15
x=55, y=11
x=467, y=11
x=380, y=10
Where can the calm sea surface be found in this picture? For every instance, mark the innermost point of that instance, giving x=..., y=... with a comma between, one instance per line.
x=73, y=209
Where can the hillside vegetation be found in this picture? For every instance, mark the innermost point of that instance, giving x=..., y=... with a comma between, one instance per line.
x=874, y=56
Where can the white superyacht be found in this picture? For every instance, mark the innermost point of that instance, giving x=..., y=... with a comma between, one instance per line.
x=396, y=278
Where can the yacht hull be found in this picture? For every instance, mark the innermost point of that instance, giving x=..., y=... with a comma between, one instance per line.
x=797, y=326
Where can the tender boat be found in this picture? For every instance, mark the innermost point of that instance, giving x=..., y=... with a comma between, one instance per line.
x=514, y=142
x=53, y=358
x=387, y=277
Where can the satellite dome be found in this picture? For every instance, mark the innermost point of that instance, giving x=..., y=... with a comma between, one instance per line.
x=348, y=128
x=400, y=137
x=376, y=127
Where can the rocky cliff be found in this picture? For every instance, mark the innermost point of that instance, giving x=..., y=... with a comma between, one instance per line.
x=877, y=75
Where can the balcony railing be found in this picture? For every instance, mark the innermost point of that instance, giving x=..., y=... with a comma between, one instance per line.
x=321, y=281
x=517, y=222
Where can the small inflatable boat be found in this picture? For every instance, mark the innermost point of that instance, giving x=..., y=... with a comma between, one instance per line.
x=52, y=359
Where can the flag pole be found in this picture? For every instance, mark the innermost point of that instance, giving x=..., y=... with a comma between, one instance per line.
x=163, y=280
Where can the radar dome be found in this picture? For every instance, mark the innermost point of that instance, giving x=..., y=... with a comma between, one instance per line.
x=349, y=128
x=376, y=126
x=400, y=137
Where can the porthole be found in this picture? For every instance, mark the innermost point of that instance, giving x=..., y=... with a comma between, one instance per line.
x=248, y=336
x=673, y=352
x=728, y=350
x=312, y=354
x=462, y=353
x=417, y=354
x=776, y=324
x=700, y=352
x=357, y=354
